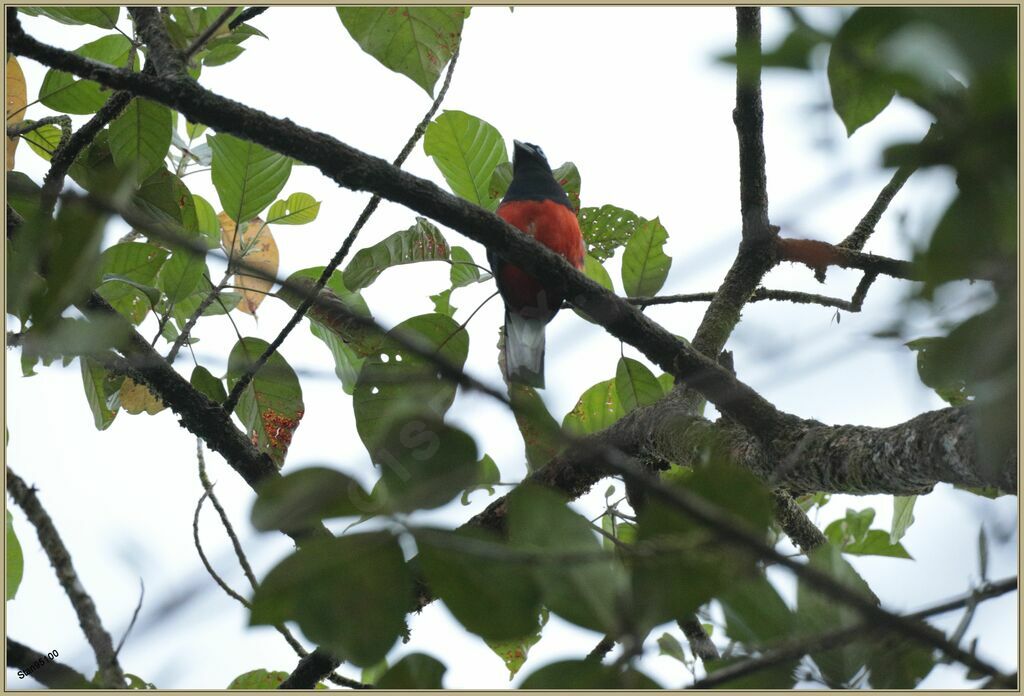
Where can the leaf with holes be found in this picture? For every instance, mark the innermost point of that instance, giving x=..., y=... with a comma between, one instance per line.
x=137, y=262
x=348, y=594
x=348, y=341
x=597, y=408
x=421, y=242
x=140, y=137
x=271, y=405
x=396, y=385
x=297, y=209
x=414, y=41
x=466, y=149
x=63, y=92
x=644, y=263
x=635, y=384
x=247, y=176
x=44, y=140
x=256, y=246
x=14, y=104
x=607, y=228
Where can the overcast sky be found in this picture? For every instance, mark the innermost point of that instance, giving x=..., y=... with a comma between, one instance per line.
x=635, y=98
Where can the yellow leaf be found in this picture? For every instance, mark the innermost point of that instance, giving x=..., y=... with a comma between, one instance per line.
x=255, y=244
x=17, y=99
x=136, y=398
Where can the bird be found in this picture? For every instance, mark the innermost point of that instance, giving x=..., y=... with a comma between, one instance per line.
x=537, y=205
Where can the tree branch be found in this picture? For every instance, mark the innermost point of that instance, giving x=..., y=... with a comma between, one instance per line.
x=49, y=673
x=245, y=15
x=355, y=170
x=339, y=256
x=165, y=58
x=208, y=33
x=109, y=671
x=749, y=119
x=796, y=648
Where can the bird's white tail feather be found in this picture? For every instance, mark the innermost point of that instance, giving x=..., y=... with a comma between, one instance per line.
x=524, y=349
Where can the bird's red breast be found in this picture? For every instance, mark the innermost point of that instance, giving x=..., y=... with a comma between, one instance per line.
x=555, y=226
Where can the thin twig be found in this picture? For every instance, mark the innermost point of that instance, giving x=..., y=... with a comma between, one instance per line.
x=311, y=670
x=194, y=317
x=339, y=256
x=208, y=33
x=748, y=117
x=243, y=560
x=135, y=616
x=206, y=562
x=109, y=671
x=798, y=647
x=63, y=120
x=245, y=15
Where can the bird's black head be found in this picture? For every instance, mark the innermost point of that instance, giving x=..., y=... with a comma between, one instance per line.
x=532, y=178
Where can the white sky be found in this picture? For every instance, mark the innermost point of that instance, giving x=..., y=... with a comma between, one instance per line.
x=634, y=98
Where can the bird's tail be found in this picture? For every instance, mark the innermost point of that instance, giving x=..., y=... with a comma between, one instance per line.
x=524, y=349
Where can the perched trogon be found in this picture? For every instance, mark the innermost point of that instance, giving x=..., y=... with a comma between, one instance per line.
x=537, y=204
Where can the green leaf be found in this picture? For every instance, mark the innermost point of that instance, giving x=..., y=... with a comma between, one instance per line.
x=443, y=303
x=464, y=270
x=636, y=385
x=902, y=516
x=597, y=408
x=371, y=674
x=101, y=391
x=348, y=594
x=818, y=614
x=668, y=645
x=396, y=385
x=425, y=463
x=514, y=652
x=607, y=228
x=297, y=209
x=691, y=550
x=486, y=477
x=587, y=591
x=271, y=405
x=899, y=664
x=540, y=431
x=15, y=560
x=207, y=384
x=44, y=140
x=307, y=496
x=414, y=671
x=102, y=17
x=181, y=275
x=644, y=263
x=587, y=674
x=755, y=614
x=568, y=177
x=94, y=168
x=258, y=679
x=421, y=242
x=877, y=543
x=167, y=202
x=414, y=41
x=859, y=92
x=135, y=261
x=63, y=92
x=247, y=176
x=487, y=590
x=222, y=54
x=349, y=344
x=206, y=221
x=140, y=137
x=466, y=149
x=593, y=269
